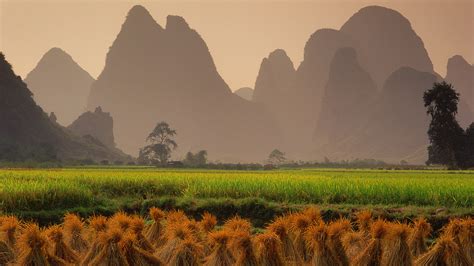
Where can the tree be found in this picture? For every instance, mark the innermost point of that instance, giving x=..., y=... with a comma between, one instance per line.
x=468, y=148
x=197, y=159
x=276, y=157
x=161, y=145
x=444, y=132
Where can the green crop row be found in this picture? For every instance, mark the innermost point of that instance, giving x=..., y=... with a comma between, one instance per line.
x=69, y=188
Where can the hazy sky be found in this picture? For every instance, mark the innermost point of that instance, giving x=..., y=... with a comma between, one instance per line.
x=238, y=33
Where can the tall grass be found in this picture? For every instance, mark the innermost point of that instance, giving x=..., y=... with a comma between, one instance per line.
x=37, y=189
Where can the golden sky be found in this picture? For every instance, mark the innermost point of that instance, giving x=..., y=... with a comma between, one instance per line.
x=238, y=33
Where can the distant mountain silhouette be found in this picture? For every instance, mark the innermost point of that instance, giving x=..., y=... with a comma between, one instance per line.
x=274, y=91
x=313, y=72
x=397, y=124
x=245, y=93
x=386, y=41
x=27, y=133
x=275, y=78
x=334, y=99
x=347, y=102
x=60, y=85
x=97, y=124
x=167, y=74
x=461, y=75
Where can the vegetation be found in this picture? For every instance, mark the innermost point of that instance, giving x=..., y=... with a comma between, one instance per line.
x=45, y=195
x=276, y=157
x=450, y=144
x=172, y=238
x=199, y=159
x=161, y=145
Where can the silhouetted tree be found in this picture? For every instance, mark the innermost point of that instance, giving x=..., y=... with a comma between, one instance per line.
x=445, y=134
x=468, y=148
x=276, y=157
x=197, y=159
x=161, y=145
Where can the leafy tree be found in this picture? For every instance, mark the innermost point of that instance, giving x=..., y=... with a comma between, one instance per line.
x=161, y=145
x=444, y=132
x=276, y=157
x=197, y=159
x=468, y=148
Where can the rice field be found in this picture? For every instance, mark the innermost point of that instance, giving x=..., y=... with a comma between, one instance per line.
x=33, y=190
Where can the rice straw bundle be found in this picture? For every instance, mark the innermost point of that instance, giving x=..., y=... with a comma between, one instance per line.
x=176, y=217
x=137, y=225
x=458, y=230
x=314, y=215
x=372, y=254
x=6, y=253
x=237, y=224
x=208, y=222
x=300, y=224
x=335, y=232
x=174, y=235
x=417, y=239
x=32, y=245
x=281, y=228
x=243, y=250
x=187, y=253
x=444, y=252
x=363, y=221
x=221, y=254
x=353, y=243
x=122, y=220
x=98, y=226
x=73, y=229
x=397, y=251
x=467, y=239
x=135, y=255
x=59, y=247
x=195, y=229
x=9, y=227
x=154, y=234
x=317, y=239
x=269, y=249
x=111, y=253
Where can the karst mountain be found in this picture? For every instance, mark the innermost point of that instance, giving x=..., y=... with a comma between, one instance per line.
x=60, y=85
x=28, y=133
x=154, y=73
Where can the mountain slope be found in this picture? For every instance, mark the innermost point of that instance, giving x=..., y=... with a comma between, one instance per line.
x=461, y=75
x=97, y=124
x=167, y=74
x=60, y=85
x=347, y=101
x=245, y=93
x=397, y=126
x=386, y=41
x=27, y=133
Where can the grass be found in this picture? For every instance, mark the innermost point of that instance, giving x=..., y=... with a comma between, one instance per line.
x=33, y=191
